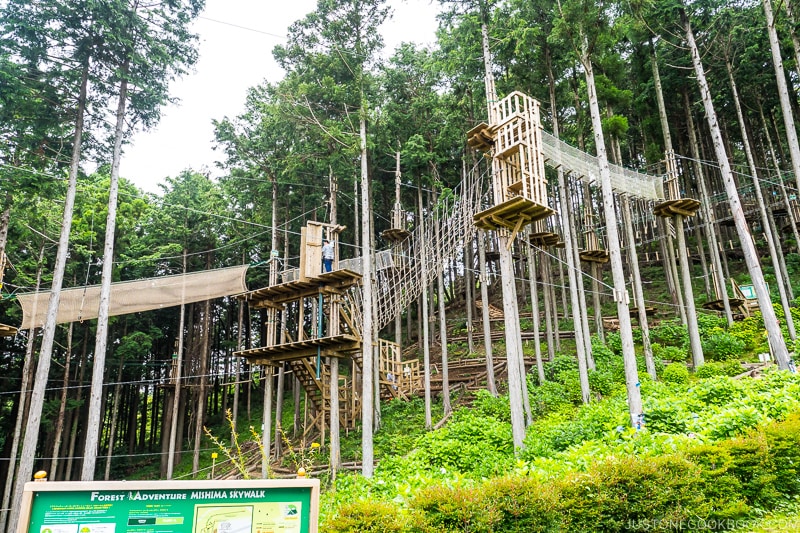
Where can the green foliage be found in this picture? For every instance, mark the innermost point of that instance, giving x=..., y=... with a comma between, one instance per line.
x=446, y=509
x=559, y=364
x=665, y=416
x=669, y=353
x=367, y=516
x=716, y=391
x=714, y=368
x=750, y=331
x=671, y=333
x=550, y=397
x=709, y=324
x=486, y=404
x=470, y=444
x=723, y=347
x=675, y=373
x=614, y=342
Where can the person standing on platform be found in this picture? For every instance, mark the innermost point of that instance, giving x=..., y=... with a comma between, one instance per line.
x=327, y=255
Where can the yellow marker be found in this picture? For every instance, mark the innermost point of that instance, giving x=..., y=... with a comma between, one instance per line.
x=301, y=472
x=41, y=475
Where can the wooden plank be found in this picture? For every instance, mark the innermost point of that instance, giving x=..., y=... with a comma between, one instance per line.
x=7, y=331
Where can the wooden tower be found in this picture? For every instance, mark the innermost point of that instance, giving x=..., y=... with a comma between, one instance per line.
x=514, y=140
x=322, y=314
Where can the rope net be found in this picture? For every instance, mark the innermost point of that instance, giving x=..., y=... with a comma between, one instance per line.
x=82, y=303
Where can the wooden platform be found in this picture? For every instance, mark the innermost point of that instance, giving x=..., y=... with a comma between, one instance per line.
x=395, y=234
x=545, y=238
x=512, y=214
x=293, y=290
x=338, y=346
x=686, y=207
x=481, y=137
x=719, y=305
x=7, y=331
x=648, y=311
x=594, y=256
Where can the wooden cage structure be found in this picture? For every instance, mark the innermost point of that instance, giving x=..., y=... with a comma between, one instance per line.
x=519, y=185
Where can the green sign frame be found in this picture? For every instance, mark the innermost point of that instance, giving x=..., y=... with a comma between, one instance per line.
x=229, y=506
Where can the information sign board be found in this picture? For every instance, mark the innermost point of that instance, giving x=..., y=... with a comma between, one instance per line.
x=248, y=506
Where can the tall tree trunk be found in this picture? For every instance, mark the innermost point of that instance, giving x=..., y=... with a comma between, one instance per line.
x=200, y=414
x=535, y=317
x=766, y=223
x=62, y=407
x=783, y=91
x=442, y=320
x=114, y=417
x=98, y=368
x=483, y=279
x=423, y=318
x=638, y=292
x=178, y=382
x=774, y=335
x=48, y=336
x=620, y=291
x=720, y=282
x=367, y=379
x=516, y=364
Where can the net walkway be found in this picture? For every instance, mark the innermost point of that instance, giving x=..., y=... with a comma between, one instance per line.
x=557, y=154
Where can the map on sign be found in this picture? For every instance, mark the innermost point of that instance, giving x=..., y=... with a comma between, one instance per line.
x=262, y=517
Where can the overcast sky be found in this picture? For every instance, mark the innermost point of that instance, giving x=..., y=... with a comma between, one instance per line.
x=233, y=57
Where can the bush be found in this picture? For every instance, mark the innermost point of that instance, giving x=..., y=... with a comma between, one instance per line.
x=367, y=516
x=675, y=373
x=709, y=324
x=669, y=353
x=620, y=493
x=717, y=391
x=723, y=347
x=720, y=368
x=524, y=505
x=614, y=342
x=445, y=510
x=469, y=444
x=559, y=364
x=671, y=333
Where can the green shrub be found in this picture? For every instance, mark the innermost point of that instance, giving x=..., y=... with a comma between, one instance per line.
x=619, y=494
x=671, y=333
x=718, y=368
x=469, y=444
x=367, y=516
x=550, y=397
x=524, y=505
x=444, y=509
x=675, y=373
x=559, y=364
x=664, y=416
x=600, y=351
x=733, y=421
x=717, y=391
x=602, y=382
x=669, y=353
x=486, y=404
x=723, y=347
x=614, y=342
x=750, y=331
x=783, y=439
x=709, y=324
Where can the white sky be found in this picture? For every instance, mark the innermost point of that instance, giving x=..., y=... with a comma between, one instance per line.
x=231, y=60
